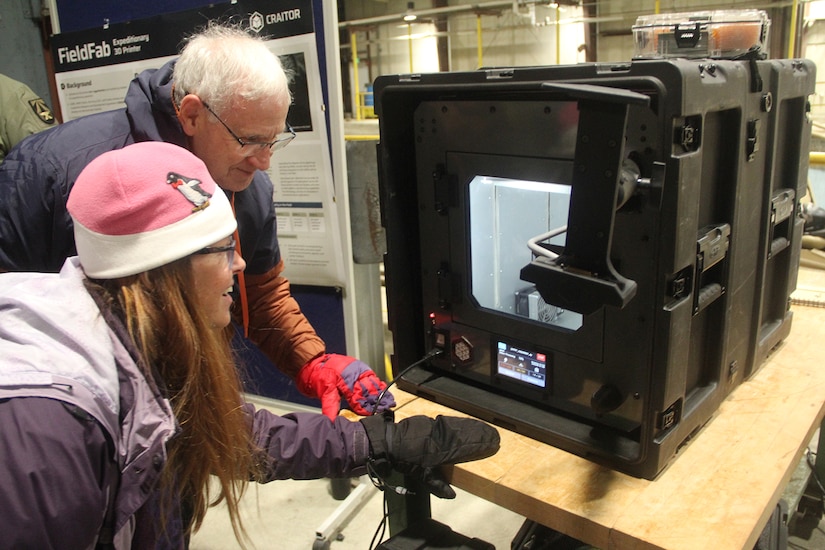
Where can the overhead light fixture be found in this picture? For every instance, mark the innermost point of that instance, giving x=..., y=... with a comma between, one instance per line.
x=410, y=16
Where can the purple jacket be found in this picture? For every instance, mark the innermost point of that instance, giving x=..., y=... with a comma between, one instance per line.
x=83, y=433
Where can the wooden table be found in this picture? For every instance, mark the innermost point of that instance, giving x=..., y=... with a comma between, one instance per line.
x=719, y=492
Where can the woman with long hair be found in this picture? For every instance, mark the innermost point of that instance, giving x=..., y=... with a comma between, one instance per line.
x=120, y=400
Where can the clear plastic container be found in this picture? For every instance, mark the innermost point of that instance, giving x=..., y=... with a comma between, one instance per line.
x=719, y=34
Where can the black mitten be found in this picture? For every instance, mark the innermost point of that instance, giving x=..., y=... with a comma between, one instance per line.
x=416, y=446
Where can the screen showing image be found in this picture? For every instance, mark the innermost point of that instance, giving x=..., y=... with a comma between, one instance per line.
x=520, y=364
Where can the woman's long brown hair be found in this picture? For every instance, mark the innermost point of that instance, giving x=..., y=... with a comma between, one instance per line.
x=193, y=362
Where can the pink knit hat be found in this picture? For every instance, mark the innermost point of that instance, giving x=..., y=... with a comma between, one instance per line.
x=145, y=206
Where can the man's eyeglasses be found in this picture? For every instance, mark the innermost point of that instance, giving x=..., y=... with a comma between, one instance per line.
x=279, y=143
x=229, y=250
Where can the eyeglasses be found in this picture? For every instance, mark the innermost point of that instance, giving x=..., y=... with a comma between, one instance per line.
x=279, y=143
x=229, y=250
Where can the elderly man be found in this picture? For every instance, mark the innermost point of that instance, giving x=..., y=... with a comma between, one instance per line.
x=225, y=99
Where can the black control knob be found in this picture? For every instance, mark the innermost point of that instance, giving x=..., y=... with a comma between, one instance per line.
x=608, y=398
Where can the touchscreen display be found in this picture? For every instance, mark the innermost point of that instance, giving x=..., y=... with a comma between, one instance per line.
x=521, y=364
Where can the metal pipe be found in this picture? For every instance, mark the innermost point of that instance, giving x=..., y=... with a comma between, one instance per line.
x=357, y=92
x=792, y=30
x=409, y=42
x=479, y=41
x=816, y=157
x=558, y=36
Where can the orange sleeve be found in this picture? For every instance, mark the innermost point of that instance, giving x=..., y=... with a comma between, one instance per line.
x=276, y=323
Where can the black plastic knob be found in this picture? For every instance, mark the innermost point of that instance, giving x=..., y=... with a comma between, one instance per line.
x=608, y=398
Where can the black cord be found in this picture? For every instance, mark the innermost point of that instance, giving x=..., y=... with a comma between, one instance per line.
x=382, y=527
x=374, y=476
x=380, y=483
x=430, y=354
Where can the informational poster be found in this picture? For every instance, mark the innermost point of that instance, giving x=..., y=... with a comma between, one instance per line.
x=94, y=68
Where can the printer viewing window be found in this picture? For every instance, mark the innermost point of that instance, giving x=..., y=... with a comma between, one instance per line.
x=505, y=214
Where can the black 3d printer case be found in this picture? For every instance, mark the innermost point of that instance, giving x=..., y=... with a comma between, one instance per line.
x=680, y=252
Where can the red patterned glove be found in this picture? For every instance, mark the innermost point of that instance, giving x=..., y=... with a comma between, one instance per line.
x=330, y=376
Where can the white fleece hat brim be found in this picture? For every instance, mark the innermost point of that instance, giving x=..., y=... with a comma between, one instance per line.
x=131, y=214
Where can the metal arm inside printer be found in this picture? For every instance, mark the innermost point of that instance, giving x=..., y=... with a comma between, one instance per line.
x=582, y=278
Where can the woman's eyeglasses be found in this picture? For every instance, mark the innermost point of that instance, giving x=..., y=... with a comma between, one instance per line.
x=229, y=250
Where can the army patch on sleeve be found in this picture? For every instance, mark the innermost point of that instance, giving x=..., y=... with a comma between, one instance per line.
x=42, y=110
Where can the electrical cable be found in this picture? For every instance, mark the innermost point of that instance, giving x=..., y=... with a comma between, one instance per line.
x=430, y=354
x=376, y=479
x=374, y=476
x=382, y=527
x=379, y=483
